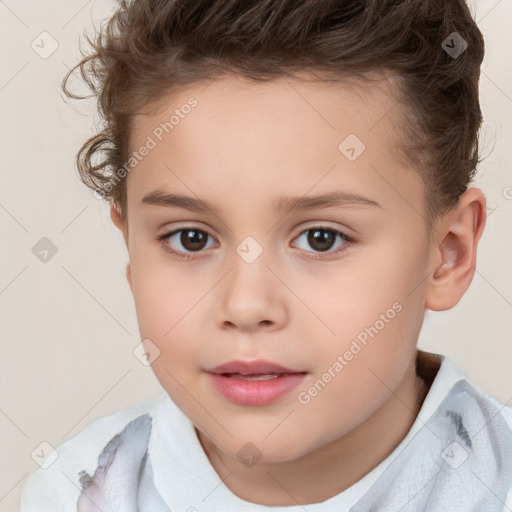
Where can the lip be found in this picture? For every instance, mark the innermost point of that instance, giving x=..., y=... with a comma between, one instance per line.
x=254, y=392
x=250, y=367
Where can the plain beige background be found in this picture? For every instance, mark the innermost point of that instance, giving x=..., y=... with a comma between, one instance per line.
x=69, y=325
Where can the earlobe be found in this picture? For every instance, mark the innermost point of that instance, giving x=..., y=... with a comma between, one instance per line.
x=129, y=276
x=455, y=255
x=119, y=223
x=117, y=220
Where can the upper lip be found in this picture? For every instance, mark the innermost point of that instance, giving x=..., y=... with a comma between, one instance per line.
x=251, y=367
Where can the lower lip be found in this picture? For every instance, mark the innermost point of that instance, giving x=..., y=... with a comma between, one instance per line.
x=256, y=392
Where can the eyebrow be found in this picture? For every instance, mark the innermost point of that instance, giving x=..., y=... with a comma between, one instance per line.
x=282, y=205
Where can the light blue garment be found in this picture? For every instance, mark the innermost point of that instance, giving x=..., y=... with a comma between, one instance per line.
x=123, y=480
x=459, y=461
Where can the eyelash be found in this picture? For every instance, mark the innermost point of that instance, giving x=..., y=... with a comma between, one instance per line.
x=162, y=240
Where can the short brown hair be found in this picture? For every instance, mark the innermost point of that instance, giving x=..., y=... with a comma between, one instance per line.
x=150, y=47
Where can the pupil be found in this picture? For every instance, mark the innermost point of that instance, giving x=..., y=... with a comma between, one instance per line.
x=193, y=239
x=321, y=239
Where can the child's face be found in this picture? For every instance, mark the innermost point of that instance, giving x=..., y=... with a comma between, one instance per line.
x=243, y=146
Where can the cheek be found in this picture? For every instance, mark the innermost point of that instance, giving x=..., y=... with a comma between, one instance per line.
x=168, y=302
x=374, y=314
x=374, y=291
x=163, y=291
x=358, y=376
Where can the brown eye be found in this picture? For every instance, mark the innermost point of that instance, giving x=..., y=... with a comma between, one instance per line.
x=185, y=241
x=193, y=239
x=321, y=239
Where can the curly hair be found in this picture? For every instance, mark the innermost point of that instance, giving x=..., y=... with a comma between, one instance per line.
x=149, y=48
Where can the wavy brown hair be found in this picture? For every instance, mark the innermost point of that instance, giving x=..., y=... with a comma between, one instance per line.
x=148, y=48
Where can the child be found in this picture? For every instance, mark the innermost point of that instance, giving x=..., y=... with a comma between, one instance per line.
x=320, y=153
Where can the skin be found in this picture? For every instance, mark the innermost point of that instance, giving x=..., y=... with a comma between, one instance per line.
x=241, y=147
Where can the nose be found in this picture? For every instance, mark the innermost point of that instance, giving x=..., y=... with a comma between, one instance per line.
x=251, y=298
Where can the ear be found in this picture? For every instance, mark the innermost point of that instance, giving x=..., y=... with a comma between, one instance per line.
x=129, y=275
x=453, y=252
x=119, y=223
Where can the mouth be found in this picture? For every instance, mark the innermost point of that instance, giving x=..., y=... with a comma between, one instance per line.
x=247, y=368
x=254, y=376
x=254, y=383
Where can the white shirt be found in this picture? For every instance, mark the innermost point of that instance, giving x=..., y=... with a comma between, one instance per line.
x=182, y=472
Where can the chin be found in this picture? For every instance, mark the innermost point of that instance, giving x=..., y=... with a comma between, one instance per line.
x=253, y=450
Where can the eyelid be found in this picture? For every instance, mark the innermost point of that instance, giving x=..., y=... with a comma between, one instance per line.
x=322, y=225
x=305, y=227
x=184, y=226
x=167, y=233
x=348, y=240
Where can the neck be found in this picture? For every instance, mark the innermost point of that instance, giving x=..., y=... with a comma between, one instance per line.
x=333, y=468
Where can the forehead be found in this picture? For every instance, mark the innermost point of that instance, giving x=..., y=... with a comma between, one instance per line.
x=337, y=106
x=285, y=135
